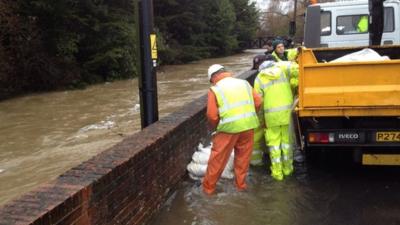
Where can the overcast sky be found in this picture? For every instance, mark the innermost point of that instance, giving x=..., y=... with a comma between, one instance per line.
x=262, y=4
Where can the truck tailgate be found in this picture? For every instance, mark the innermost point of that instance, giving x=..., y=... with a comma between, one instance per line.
x=348, y=86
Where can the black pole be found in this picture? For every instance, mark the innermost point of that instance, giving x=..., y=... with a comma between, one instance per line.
x=292, y=24
x=376, y=12
x=147, y=78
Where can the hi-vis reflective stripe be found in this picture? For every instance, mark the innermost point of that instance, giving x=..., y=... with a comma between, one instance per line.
x=228, y=106
x=237, y=117
x=256, y=162
x=278, y=109
x=256, y=152
x=234, y=105
x=274, y=148
x=286, y=158
x=220, y=93
x=285, y=146
x=275, y=160
x=282, y=79
x=258, y=80
x=288, y=69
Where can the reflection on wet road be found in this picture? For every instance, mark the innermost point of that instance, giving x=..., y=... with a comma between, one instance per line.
x=337, y=192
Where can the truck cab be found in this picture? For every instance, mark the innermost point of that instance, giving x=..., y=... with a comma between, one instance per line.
x=343, y=24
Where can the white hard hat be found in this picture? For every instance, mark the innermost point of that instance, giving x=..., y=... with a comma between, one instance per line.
x=213, y=69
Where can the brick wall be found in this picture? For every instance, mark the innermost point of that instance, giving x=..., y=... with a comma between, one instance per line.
x=125, y=184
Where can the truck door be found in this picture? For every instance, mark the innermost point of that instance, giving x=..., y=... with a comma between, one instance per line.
x=390, y=34
x=391, y=28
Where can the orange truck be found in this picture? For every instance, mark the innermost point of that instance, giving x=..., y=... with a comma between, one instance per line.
x=350, y=105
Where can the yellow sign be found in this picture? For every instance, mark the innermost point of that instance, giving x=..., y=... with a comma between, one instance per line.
x=153, y=46
x=381, y=159
x=389, y=136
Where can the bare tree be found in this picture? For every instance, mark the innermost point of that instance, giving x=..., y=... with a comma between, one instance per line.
x=275, y=19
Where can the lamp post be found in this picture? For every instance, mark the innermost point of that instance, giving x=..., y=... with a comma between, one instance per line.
x=292, y=24
x=148, y=63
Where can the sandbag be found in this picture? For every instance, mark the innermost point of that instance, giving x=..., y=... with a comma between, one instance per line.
x=197, y=171
x=198, y=166
x=366, y=54
x=200, y=157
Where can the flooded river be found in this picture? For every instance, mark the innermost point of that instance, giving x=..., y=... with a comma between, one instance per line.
x=43, y=135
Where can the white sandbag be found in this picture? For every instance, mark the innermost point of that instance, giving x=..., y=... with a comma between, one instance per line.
x=229, y=165
x=203, y=156
x=366, y=54
x=193, y=177
x=200, y=157
x=204, y=149
x=198, y=166
x=226, y=174
x=198, y=170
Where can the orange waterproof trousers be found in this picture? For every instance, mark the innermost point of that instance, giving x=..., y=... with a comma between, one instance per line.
x=223, y=143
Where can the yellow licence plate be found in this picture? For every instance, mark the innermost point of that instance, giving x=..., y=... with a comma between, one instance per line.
x=388, y=136
x=381, y=159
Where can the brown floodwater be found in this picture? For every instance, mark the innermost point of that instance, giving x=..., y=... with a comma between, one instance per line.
x=43, y=135
x=334, y=191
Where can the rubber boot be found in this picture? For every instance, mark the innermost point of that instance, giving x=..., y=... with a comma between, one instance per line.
x=287, y=163
x=276, y=171
x=276, y=164
x=259, y=147
x=256, y=157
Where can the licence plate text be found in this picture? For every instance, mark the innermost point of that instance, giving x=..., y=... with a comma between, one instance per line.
x=388, y=136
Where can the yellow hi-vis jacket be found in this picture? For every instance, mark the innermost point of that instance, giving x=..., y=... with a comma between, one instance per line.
x=362, y=25
x=288, y=55
x=277, y=58
x=292, y=54
x=273, y=85
x=291, y=70
x=235, y=105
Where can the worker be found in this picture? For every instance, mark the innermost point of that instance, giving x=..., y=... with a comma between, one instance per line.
x=273, y=85
x=362, y=25
x=279, y=52
x=259, y=146
x=231, y=110
x=291, y=70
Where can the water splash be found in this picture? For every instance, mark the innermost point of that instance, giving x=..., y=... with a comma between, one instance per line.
x=104, y=124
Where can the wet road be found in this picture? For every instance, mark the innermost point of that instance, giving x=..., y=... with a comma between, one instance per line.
x=335, y=192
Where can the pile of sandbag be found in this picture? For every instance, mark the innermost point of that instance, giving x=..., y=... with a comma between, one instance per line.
x=366, y=54
x=198, y=166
